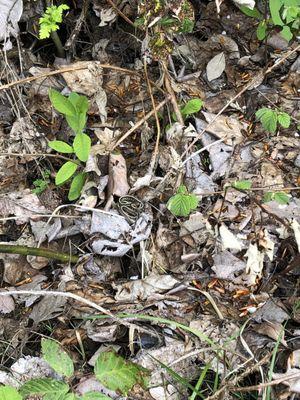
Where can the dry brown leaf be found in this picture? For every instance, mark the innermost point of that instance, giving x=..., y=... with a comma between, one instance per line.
x=117, y=171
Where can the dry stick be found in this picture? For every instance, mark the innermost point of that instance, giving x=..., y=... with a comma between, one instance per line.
x=172, y=94
x=264, y=385
x=121, y=13
x=78, y=25
x=63, y=70
x=139, y=123
x=234, y=381
x=80, y=299
x=64, y=294
x=154, y=155
x=39, y=252
x=244, y=89
x=39, y=155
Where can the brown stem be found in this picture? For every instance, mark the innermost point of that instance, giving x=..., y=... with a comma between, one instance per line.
x=40, y=252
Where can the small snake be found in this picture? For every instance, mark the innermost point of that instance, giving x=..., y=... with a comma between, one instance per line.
x=130, y=207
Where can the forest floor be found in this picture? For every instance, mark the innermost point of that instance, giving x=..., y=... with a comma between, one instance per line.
x=149, y=201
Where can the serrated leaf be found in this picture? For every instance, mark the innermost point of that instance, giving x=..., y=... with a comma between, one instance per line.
x=76, y=186
x=268, y=119
x=215, y=67
x=9, y=393
x=192, y=107
x=182, y=203
x=65, y=172
x=117, y=374
x=281, y=198
x=57, y=358
x=94, y=396
x=61, y=103
x=50, y=20
x=44, y=386
x=261, y=30
x=242, y=185
x=284, y=119
x=82, y=146
x=61, y=147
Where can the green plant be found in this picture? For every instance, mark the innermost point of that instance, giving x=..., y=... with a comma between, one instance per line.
x=270, y=118
x=191, y=107
x=41, y=184
x=111, y=370
x=49, y=24
x=279, y=197
x=74, y=108
x=182, y=203
x=283, y=13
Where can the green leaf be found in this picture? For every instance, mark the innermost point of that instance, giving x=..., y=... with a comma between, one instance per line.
x=76, y=186
x=117, y=374
x=76, y=122
x=275, y=6
x=60, y=146
x=281, y=197
x=261, y=30
x=82, y=146
x=79, y=102
x=286, y=33
x=269, y=196
x=50, y=20
x=65, y=172
x=182, y=203
x=242, y=185
x=94, y=396
x=268, y=119
x=251, y=13
x=61, y=103
x=9, y=393
x=57, y=358
x=192, y=107
x=44, y=386
x=284, y=119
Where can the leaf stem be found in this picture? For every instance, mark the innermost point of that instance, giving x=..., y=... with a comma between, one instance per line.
x=58, y=44
x=36, y=251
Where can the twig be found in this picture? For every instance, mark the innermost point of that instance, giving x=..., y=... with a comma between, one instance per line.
x=243, y=90
x=39, y=252
x=139, y=123
x=39, y=155
x=172, y=94
x=121, y=13
x=63, y=70
x=78, y=25
x=154, y=155
x=264, y=385
x=80, y=299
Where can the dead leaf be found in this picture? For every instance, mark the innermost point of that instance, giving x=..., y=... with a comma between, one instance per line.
x=47, y=308
x=229, y=240
x=11, y=12
x=255, y=264
x=112, y=225
x=117, y=183
x=144, y=289
x=216, y=66
x=23, y=205
x=7, y=304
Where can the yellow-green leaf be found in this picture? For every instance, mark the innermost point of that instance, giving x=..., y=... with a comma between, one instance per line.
x=65, y=172
x=57, y=358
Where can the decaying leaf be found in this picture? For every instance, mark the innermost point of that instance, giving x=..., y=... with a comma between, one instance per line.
x=255, y=263
x=144, y=289
x=229, y=240
x=7, y=304
x=117, y=183
x=10, y=14
x=216, y=66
